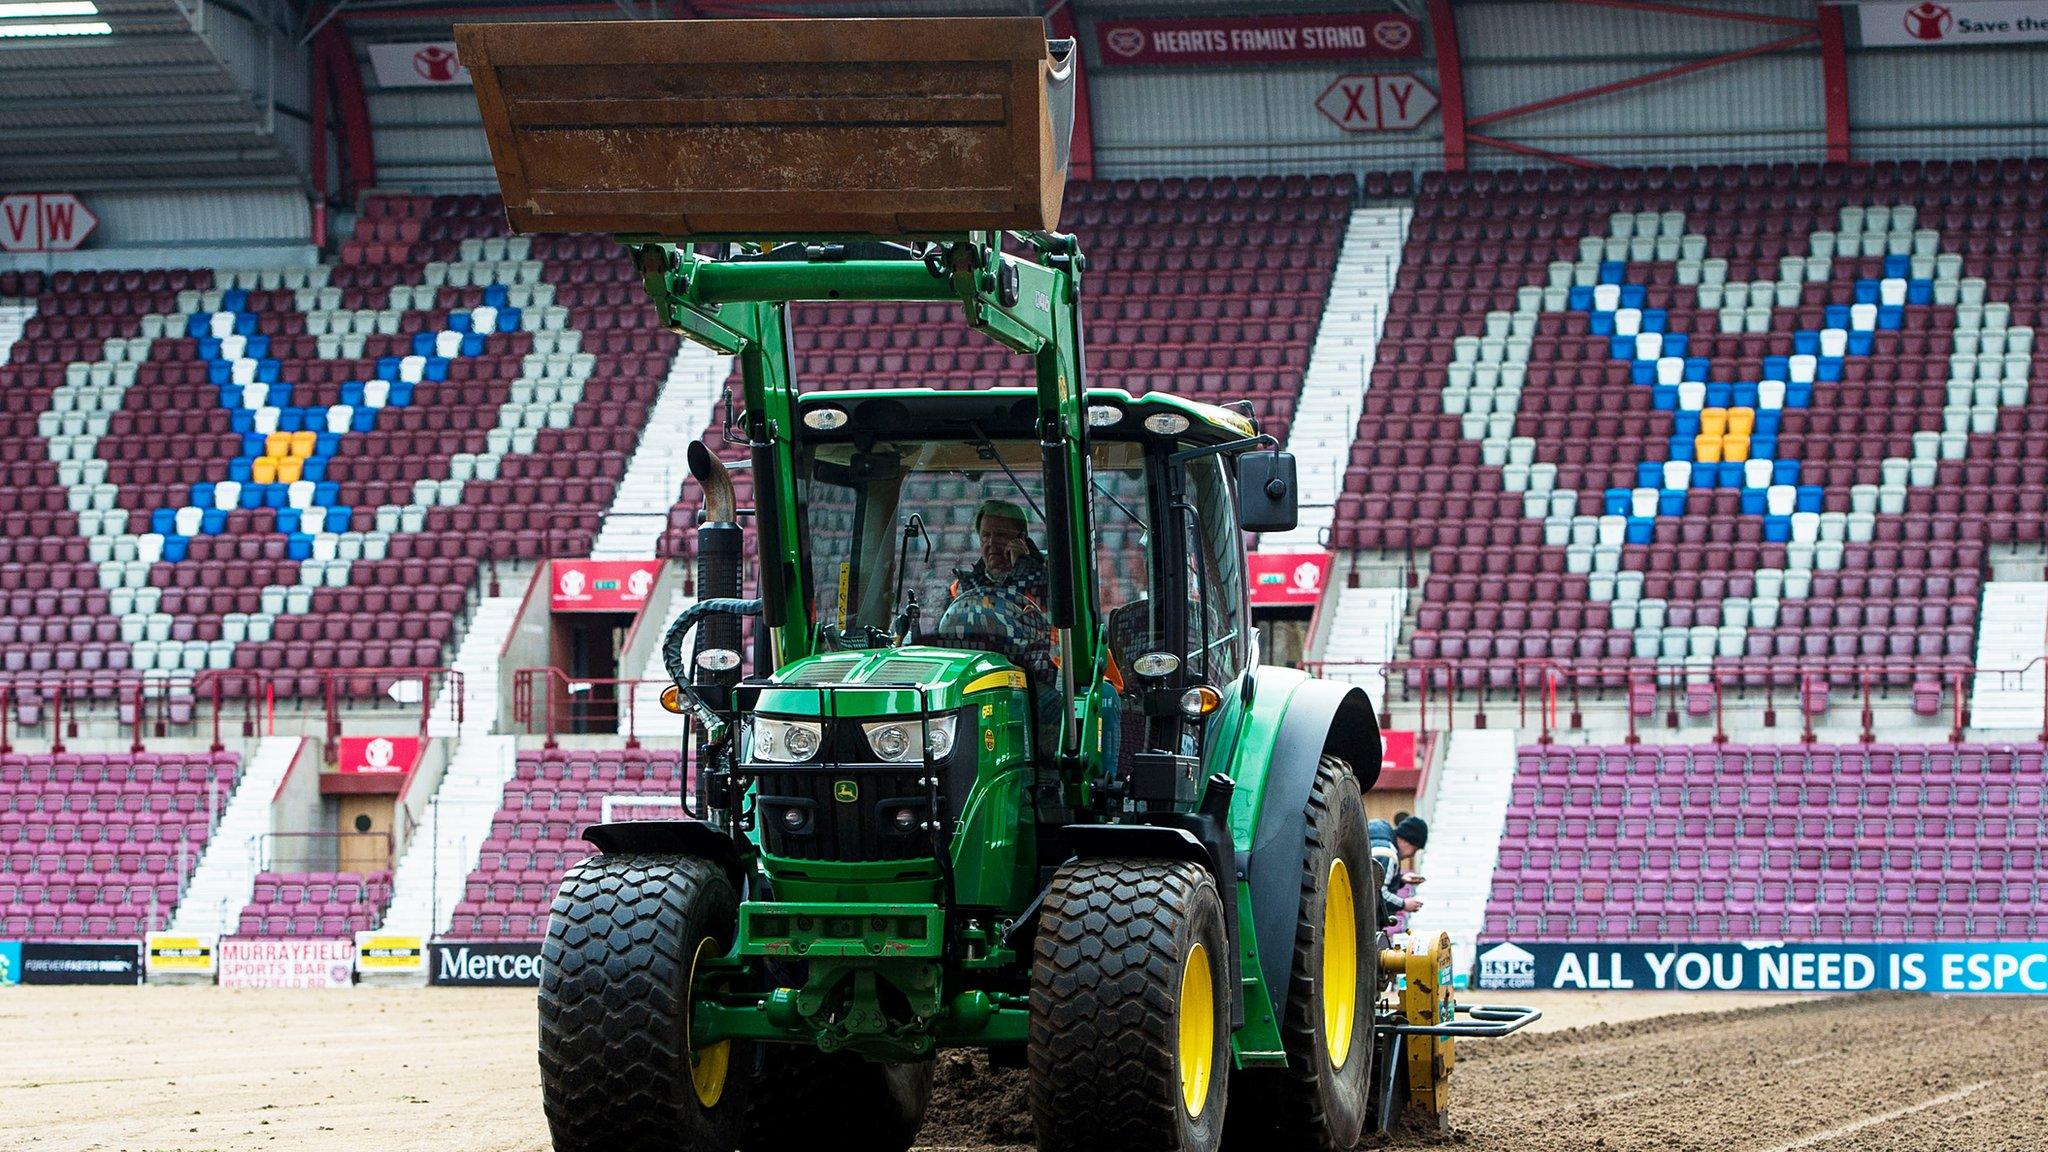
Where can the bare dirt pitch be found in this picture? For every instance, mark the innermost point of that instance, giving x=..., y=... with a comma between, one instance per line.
x=192, y=1069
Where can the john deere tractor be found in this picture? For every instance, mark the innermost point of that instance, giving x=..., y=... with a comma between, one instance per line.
x=999, y=767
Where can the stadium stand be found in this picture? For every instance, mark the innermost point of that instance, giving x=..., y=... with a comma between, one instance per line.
x=1745, y=414
x=306, y=904
x=1210, y=287
x=98, y=845
x=309, y=449
x=554, y=795
x=1856, y=843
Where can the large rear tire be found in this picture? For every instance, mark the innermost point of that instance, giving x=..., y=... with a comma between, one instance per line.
x=1130, y=1009
x=618, y=1073
x=1322, y=1098
x=803, y=1098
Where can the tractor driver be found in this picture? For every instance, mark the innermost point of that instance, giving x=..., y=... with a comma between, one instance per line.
x=1001, y=600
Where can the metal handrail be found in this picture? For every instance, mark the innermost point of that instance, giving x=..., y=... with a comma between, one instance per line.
x=258, y=684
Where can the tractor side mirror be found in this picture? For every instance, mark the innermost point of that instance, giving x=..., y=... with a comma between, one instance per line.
x=1267, y=499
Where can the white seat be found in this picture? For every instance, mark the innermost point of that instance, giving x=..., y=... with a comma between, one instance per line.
x=412, y=369
x=339, y=417
x=376, y=393
x=1805, y=527
x=300, y=494
x=188, y=519
x=1781, y=499
x=227, y=494
x=1677, y=474
x=1756, y=473
x=313, y=520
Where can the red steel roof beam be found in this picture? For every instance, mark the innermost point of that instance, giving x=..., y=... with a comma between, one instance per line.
x=1648, y=78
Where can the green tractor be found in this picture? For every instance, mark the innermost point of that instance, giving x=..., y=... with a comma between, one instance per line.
x=1001, y=768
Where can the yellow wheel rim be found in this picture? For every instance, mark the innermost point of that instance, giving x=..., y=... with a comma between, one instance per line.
x=708, y=1065
x=1197, y=1030
x=1340, y=963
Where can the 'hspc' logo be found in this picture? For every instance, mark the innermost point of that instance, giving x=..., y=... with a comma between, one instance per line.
x=1928, y=21
x=1381, y=102
x=1393, y=35
x=44, y=222
x=1507, y=966
x=1125, y=42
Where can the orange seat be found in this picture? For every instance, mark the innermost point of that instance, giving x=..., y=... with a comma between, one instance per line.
x=302, y=444
x=1735, y=449
x=1741, y=421
x=288, y=469
x=263, y=470
x=277, y=445
x=1713, y=421
x=1706, y=449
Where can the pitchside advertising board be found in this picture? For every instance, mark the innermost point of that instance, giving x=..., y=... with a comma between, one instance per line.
x=2003, y=969
x=287, y=963
x=602, y=585
x=466, y=964
x=428, y=64
x=1932, y=25
x=69, y=962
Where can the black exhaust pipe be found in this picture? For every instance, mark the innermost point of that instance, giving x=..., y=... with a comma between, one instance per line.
x=721, y=560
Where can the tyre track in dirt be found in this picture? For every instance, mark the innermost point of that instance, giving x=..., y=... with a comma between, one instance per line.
x=1865, y=1074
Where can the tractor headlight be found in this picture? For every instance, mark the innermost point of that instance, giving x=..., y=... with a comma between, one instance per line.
x=896, y=740
x=786, y=741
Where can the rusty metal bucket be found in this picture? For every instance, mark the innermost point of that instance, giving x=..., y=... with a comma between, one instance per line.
x=764, y=128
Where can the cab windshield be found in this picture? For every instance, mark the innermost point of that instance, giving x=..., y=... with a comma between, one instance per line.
x=954, y=531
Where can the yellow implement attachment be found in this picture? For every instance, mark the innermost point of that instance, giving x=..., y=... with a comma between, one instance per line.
x=766, y=128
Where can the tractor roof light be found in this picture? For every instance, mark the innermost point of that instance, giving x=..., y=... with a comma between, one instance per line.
x=1104, y=416
x=718, y=660
x=1153, y=665
x=826, y=419
x=1166, y=423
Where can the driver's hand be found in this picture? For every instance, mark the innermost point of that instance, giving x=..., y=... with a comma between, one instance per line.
x=1017, y=549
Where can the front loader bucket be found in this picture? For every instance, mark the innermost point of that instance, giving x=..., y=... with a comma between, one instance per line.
x=754, y=129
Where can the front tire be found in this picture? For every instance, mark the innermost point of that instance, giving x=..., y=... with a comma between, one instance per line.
x=1130, y=1009
x=1322, y=1098
x=625, y=938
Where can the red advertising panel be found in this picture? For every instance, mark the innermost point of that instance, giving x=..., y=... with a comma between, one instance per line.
x=1288, y=579
x=1397, y=763
x=1260, y=39
x=378, y=755
x=602, y=585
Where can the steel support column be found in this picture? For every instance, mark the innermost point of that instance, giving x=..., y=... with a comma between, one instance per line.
x=1834, y=80
x=1450, y=82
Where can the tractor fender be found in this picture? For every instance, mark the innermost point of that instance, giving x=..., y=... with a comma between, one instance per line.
x=668, y=837
x=1323, y=717
x=1150, y=841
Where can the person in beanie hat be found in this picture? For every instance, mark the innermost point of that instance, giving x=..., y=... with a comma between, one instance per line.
x=1392, y=844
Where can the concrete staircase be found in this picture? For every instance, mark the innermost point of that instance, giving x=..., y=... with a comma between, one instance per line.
x=477, y=662
x=2012, y=641
x=1340, y=368
x=653, y=722
x=1467, y=813
x=1362, y=629
x=226, y=877
x=686, y=406
x=451, y=833
x=14, y=316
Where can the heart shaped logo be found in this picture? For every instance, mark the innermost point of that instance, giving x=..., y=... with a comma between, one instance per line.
x=1723, y=424
x=1125, y=42
x=1393, y=35
x=288, y=437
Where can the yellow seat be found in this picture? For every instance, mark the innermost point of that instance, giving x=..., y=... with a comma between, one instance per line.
x=302, y=444
x=1706, y=449
x=1741, y=421
x=288, y=469
x=277, y=445
x=263, y=470
x=1735, y=449
x=1713, y=421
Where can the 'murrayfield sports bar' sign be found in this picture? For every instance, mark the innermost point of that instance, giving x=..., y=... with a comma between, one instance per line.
x=2006, y=969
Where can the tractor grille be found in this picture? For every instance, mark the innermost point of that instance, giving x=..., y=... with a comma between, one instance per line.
x=844, y=812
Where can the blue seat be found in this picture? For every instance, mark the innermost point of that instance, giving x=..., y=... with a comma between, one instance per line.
x=1720, y=395
x=298, y=546
x=234, y=300
x=510, y=319
x=326, y=492
x=473, y=344
x=1613, y=271
x=1785, y=472
x=1633, y=295
x=1649, y=474
x=1664, y=398
x=314, y=469
x=1676, y=343
x=1621, y=347
x=1812, y=498
x=1777, y=529
x=1579, y=298
x=423, y=344
x=338, y=517
x=1641, y=529
x=1671, y=502
x=175, y=548
x=163, y=521
x=1681, y=448
x=213, y=521
x=1806, y=343
x=1642, y=372
x=1614, y=502
x=436, y=369
x=1753, y=501
x=288, y=520
x=1656, y=320
x=497, y=296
